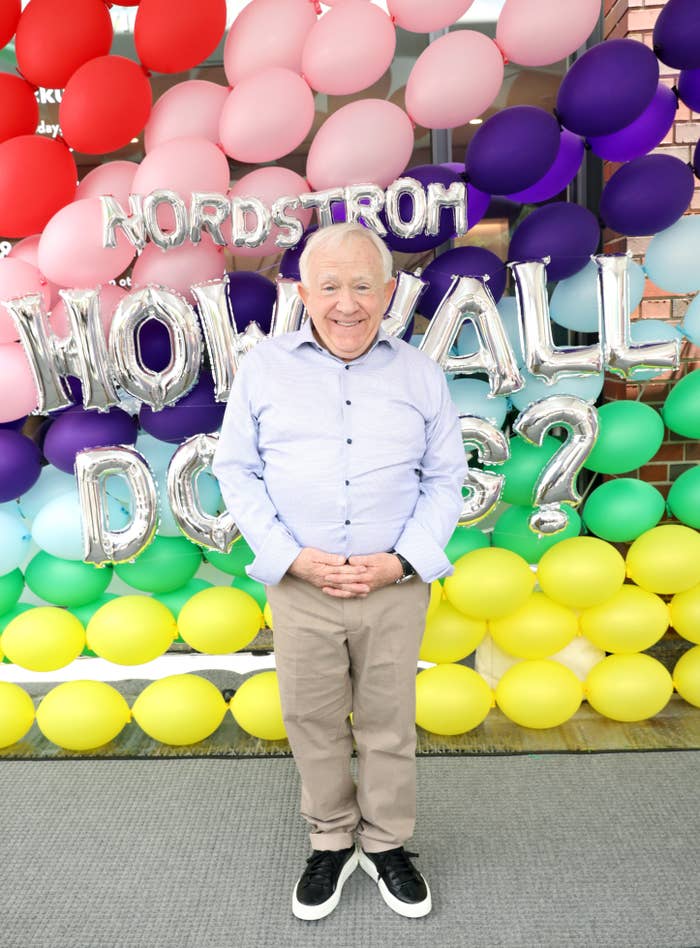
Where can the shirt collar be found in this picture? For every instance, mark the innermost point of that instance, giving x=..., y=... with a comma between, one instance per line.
x=294, y=340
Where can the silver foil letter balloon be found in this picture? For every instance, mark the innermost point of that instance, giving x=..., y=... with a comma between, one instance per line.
x=484, y=486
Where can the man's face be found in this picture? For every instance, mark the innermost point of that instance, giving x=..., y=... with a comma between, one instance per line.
x=346, y=297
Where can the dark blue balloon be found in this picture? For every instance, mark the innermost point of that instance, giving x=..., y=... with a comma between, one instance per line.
x=677, y=34
x=696, y=160
x=79, y=428
x=566, y=233
x=512, y=150
x=20, y=464
x=195, y=412
x=15, y=425
x=461, y=261
x=563, y=170
x=608, y=87
x=642, y=135
x=154, y=345
x=289, y=263
x=689, y=88
x=647, y=195
x=425, y=174
x=252, y=297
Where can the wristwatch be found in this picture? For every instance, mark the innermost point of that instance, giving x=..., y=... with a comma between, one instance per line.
x=408, y=570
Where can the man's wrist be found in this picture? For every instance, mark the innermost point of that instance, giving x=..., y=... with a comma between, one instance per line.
x=407, y=571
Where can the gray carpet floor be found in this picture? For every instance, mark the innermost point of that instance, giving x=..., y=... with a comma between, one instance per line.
x=597, y=851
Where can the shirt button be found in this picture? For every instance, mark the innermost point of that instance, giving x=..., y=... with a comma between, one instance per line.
x=347, y=523
x=348, y=402
x=347, y=483
x=347, y=368
x=349, y=440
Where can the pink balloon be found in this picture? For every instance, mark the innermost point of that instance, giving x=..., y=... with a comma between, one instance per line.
x=267, y=33
x=421, y=17
x=183, y=165
x=180, y=267
x=28, y=250
x=110, y=296
x=541, y=32
x=18, y=393
x=71, y=251
x=268, y=184
x=366, y=141
x=349, y=48
x=190, y=109
x=114, y=177
x=454, y=80
x=266, y=116
x=18, y=278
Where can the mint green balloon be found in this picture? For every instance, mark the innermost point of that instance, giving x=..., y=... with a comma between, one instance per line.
x=11, y=586
x=252, y=587
x=176, y=599
x=622, y=509
x=464, y=540
x=684, y=498
x=164, y=565
x=7, y=617
x=681, y=410
x=522, y=469
x=235, y=561
x=512, y=532
x=66, y=582
x=629, y=436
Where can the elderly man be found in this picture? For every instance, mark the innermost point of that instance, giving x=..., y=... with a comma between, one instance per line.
x=341, y=461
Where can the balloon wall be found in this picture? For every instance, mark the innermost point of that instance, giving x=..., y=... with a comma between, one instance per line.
x=116, y=291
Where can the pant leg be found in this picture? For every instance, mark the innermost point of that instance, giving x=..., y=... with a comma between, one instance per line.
x=313, y=670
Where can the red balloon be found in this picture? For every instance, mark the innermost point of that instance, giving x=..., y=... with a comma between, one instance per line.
x=105, y=105
x=54, y=37
x=172, y=35
x=20, y=110
x=38, y=177
x=9, y=17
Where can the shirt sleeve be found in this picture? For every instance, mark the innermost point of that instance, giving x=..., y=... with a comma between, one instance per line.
x=239, y=469
x=443, y=469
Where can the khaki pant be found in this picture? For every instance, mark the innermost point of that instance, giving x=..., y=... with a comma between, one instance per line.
x=335, y=656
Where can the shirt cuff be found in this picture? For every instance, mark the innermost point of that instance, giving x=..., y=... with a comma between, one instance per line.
x=423, y=553
x=274, y=558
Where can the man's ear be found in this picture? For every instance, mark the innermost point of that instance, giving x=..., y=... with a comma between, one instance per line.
x=389, y=288
x=303, y=293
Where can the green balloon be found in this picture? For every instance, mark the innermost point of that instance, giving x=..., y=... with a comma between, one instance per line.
x=521, y=470
x=512, y=532
x=11, y=586
x=630, y=434
x=165, y=564
x=7, y=617
x=66, y=582
x=684, y=498
x=86, y=612
x=252, y=587
x=464, y=540
x=681, y=410
x=623, y=509
x=176, y=599
x=235, y=561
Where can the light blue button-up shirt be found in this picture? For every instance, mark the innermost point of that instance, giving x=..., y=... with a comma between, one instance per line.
x=352, y=457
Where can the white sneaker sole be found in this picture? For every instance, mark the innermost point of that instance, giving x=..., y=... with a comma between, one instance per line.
x=407, y=909
x=311, y=913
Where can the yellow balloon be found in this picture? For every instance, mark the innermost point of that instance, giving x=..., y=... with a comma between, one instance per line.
x=437, y=595
x=131, y=630
x=16, y=713
x=82, y=715
x=451, y=699
x=581, y=572
x=489, y=583
x=257, y=708
x=630, y=621
x=267, y=616
x=539, y=628
x=665, y=559
x=44, y=638
x=685, y=614
x=628, y=687
x=220, y=620
x=179, y=709
x=686, y=676
x=450, y=635
x=539, y=693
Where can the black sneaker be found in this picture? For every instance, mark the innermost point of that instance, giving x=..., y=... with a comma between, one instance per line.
x=318, y=890
x=403, y=888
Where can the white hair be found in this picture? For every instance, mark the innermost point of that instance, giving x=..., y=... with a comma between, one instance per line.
x=334, y=236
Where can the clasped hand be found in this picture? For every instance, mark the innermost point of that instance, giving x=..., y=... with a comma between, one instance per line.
x=355, y=577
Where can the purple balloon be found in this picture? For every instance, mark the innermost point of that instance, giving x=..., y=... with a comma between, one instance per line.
x=154, y=345
x=78, y=428
x=562, y=171
x=689, y=88
x=566, y=233
x=195, y=412
x=512, y=150
x=15, y=425
x=461, y=261
x=608, y=87
x=647, y=195
x=696, y=160
x=642, y=135
x=252, y=299
x=677, y=34
x=20, y=464
x=425, y=174
x=289, y=262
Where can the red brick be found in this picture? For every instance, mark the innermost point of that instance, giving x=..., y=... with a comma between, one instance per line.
x=670, y=452
x=691, y=450
x=656, y=309
x=654, y=473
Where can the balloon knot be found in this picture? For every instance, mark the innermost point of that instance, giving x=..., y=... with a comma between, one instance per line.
x=676, y=92
x=61, y=139
x=587, y=145
x=502, y=52
x=228, y=693
x=147, y=72
x=32, y=85
x=557, y=116
x=317, y=7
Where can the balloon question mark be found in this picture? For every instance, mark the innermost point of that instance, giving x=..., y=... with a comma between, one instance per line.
x=484, y=487
x=556, y=484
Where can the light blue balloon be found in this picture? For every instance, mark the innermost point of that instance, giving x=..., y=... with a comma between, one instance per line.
x=690, y=327
x=57, y=528
x=157, y=453
x=415, y=340
x=209, y=495
x=574, y=303
x=652, y=330
x=14, y=541
x=52, y=483
x=471, y=398
x=508, y=311
x=587, y=387
x=672, y=257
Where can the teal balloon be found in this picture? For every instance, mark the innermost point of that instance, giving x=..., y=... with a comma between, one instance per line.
x=11, y=586
x=14, y=541
x=65, y=582
x=165, y=564
x=235, y=561
x=464, y=540
x=684, y=498
x=574, y=303
x=471, y=397
x=629, y=435
x=252, y=587
x=512, y=532
x=622, y=509
x=681, y=410
x=157, y=453
x=209, y=497
x=52, y=483
x=587, y=387
x=176, y=599
x=690, y=327
x=672, y=257
x=652, y=330
x=522, y=469
x=467, y=340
